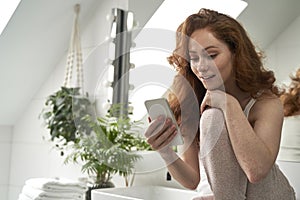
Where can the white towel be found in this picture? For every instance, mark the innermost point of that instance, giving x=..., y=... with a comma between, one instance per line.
x=38, y=194
x=24, y=197
x=57, y=184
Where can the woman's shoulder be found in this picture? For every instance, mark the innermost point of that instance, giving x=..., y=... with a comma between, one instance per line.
x=266, y=104
x=267, y=98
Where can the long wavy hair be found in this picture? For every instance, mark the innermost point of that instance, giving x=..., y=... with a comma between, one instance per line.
x=250, y=74
x=291, y=96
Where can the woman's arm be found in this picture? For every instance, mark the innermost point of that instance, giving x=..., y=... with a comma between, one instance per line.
x=185, y=169
x=255, y=145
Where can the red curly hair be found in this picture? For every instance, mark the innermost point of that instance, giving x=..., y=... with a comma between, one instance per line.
x=291, y=96
x=250, y=74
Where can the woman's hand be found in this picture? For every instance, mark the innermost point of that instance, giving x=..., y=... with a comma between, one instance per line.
x=214, y=98
x=160, y=133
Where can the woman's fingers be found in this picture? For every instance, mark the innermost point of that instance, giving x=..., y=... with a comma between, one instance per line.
x=214, y=98
x=206, y=102
x=164, y=139
x=159, y=135
x=155, y=126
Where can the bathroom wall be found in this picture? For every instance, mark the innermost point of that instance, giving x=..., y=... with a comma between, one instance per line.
x=32, y=155
x=5, y=155
x=283, y=56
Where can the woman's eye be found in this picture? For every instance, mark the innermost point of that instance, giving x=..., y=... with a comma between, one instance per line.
x=212, y=56
x=194, y=59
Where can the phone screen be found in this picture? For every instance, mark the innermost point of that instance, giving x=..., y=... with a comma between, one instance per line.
x=160, y=106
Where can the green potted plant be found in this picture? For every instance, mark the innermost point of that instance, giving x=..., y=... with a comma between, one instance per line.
x=63, y=116
x=104, y=145
x=109, y=149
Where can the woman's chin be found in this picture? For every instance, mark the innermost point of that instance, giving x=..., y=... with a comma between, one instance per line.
x=212, y=86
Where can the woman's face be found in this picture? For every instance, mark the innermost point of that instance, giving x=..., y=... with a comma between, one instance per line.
x=211, y=60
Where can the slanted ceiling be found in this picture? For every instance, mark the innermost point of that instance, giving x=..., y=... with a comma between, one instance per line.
x=35, y=40
x=37, y=37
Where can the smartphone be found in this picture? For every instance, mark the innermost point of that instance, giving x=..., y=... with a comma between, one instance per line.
x=160, y=106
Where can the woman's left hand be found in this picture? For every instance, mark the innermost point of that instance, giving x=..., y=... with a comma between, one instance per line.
x=214, y=98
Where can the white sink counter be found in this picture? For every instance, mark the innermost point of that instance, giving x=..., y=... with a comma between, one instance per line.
x=143, y=193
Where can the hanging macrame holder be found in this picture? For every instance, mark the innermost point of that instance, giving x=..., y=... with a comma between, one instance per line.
x=74, y=55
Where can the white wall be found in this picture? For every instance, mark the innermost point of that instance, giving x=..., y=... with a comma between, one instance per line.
x=5, y=156
x=32, y=155
x=283, y=56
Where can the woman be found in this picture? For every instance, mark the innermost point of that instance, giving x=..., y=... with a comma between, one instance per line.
x=241, y=119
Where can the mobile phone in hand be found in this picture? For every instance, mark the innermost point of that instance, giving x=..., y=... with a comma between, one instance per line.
x=160, y=106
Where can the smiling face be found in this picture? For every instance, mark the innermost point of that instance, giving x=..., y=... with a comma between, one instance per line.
x=211, y=60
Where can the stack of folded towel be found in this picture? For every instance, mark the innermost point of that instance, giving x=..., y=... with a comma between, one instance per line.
x=53, y=189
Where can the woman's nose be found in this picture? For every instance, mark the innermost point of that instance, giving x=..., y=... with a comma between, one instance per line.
x=202, y=64
x=203, y=67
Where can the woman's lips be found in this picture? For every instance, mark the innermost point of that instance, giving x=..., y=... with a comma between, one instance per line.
x=206, y=77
